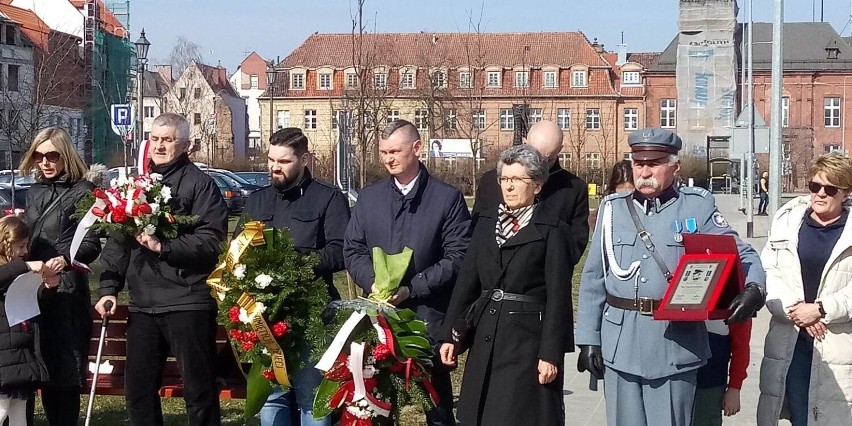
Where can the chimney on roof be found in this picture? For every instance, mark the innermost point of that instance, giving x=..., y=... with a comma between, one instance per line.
x=434, y=38
x=165, y=72
x=598, y=46
x=621, y=50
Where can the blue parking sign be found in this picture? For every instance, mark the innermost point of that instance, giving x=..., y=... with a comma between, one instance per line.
x=123, y=118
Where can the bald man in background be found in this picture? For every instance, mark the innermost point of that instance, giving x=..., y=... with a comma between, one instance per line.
x=563, y=191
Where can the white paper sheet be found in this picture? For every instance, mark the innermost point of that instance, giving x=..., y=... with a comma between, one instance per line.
x=22, y=298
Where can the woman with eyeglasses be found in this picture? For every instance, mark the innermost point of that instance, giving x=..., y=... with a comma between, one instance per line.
x=66, y=320
x=806, y=373
x=512, y=304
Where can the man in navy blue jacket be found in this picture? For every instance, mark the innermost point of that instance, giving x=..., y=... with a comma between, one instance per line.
x=410, y=208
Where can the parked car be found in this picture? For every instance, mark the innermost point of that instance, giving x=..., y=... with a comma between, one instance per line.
x=20, y=181
x=246, y=187
x=260, y=179
x=231, y=192
x=8, y=202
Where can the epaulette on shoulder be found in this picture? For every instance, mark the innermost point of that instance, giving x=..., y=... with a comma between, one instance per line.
x=616, y=195
x=695, y=190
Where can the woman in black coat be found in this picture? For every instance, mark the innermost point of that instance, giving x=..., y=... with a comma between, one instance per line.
x=66, y=315
x=518, y=271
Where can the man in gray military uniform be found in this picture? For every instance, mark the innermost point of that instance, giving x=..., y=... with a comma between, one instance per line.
x=649, y=367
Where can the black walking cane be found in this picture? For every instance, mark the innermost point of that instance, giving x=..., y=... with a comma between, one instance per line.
x=104, y=324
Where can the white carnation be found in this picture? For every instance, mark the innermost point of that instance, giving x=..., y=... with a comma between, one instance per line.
x=156, y=177
x=150, y=229
x=240, y=271
x=154, y=208
x=166, y=193
x=260, y=308
x=244, y=316
x=263, y=281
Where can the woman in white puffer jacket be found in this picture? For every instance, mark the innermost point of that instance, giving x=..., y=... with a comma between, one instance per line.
x=806, y=373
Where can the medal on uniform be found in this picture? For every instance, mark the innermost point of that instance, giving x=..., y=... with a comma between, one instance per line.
x=677, y=227
x=691, y=225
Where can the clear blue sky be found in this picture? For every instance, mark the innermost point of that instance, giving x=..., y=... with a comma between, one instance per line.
x=227, y=29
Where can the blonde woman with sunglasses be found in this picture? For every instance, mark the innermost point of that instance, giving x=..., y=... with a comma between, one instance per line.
x=806, y=373
x=66, y=311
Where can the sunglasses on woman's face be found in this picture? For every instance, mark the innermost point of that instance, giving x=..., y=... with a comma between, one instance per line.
x=830, y=190
x=52, y=156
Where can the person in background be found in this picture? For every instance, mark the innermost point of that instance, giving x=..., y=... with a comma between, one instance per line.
x=411, y=208
x=763, y=191
x=66, y=320
x=721, y=379
x=563, y=191
x=621, y=177
x=805, y=373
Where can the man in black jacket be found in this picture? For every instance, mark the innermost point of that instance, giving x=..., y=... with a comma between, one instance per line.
x=171, y=307
x=412, y=209
x=316, y=214
x=563, y=191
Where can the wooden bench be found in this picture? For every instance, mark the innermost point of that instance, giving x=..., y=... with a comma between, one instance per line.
x=115, y=350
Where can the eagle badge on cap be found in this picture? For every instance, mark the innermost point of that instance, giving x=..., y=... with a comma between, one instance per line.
x=646, y=136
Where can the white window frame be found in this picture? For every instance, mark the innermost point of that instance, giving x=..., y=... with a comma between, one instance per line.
x=254, y=81
x=522, y=79
x=464, y=80
x=351, y=80
x=148, y=111
x=324, y=81
x=563, y=118
x=439, y=79
x=297, y=81
x=450, y=119
x=507, y=119
x=579, y=78
x=550, y=80
x=310, y=119
x=282, y=118
x=565, y=159
x=831, y=108
x=535, y=115
x=593, y=119
x=668, y=113
x=406, y=80
x=479, y=119
x=380, y=81
x=393, y=115
x=785, y=111
x=593, y=160
x=421, y=119
x=631, y=118
x=494, y=79
x=631, y=78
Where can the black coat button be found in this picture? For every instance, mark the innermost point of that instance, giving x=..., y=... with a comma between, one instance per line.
x=487, y=338
x=492, y=311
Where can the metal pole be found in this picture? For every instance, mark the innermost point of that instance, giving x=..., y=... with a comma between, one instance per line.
x=750, y=106
x=141, y=113
x=777, y=84
x=271, y=117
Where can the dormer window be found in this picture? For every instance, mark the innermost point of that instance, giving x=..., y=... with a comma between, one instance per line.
x=578, y=78
x=832, y=52
x=631, y=78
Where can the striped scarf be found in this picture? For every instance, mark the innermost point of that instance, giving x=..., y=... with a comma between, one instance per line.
x=510, y=222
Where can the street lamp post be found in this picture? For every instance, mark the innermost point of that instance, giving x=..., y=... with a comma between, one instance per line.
x=142, y=46
x=271, y=76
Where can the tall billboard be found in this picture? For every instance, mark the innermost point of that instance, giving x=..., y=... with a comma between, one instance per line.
x=706, y=71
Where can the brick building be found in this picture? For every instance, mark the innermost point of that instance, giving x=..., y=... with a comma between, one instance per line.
x=462, y=86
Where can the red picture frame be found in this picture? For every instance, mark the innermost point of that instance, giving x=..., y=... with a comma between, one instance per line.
x=691, y=299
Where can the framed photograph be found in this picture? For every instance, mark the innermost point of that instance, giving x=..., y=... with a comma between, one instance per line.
x=700, y=288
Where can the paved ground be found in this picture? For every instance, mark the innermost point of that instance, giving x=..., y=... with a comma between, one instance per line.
x=585, y=407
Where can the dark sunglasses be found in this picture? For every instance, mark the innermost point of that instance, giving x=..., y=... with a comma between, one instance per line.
x=830, y=190
x=51, y=156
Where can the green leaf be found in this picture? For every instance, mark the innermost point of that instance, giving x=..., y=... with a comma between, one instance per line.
x=389, y=270
x=406, y=315
x=325, y=391
x=258, y=389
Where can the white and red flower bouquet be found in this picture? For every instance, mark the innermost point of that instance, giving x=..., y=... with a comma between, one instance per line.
x=133, y=205
x=380, y=358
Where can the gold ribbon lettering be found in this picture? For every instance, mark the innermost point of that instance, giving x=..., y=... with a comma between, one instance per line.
x=258, y=324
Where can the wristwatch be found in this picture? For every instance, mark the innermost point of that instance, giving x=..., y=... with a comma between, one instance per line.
x=821, y=310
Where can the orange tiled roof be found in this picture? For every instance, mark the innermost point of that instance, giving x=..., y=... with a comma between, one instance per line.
x=31, y=26
x=217, y=77
x=488, y=49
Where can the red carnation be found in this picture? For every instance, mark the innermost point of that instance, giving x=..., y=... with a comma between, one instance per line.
x=280, y=328
x=250, y=336
x=247, y=346
x=145, y=208
x=236, y=334
x=99, y=193
x=98, y=212
x=118, y=215
x=234, y=314
x=269, y=374
x=134, y=211
x=381, y=352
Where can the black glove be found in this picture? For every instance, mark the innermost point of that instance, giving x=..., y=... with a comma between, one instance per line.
x=591, y=360
x=747, y=303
